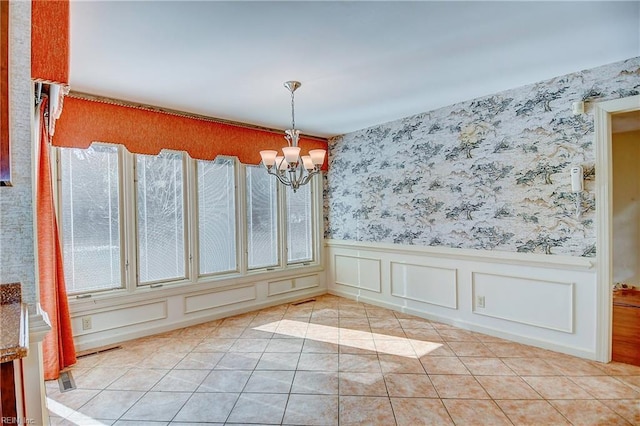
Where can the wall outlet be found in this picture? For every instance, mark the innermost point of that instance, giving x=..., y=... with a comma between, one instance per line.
x=86, y=323
x=479, y=301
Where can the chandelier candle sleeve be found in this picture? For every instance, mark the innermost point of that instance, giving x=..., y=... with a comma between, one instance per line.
x=291, y=154
x=268, y=158
x=317, y=156
x=307, y=162
x=292, y=169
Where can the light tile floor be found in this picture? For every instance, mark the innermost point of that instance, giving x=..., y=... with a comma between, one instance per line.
x=335, y=361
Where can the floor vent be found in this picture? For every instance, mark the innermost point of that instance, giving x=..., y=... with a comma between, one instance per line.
x=97, y=351
x=66, y=382
x=303, y=301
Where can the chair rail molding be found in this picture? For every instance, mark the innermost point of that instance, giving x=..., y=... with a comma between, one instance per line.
x=573, y=262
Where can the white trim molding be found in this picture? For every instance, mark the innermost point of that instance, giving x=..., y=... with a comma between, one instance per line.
x=32, y=367
x=604, y=206
x=545, y=260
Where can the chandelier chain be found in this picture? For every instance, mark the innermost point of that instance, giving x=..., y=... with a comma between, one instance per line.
x=293, y=115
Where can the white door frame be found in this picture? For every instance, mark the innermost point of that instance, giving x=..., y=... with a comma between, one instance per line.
x=604, y=217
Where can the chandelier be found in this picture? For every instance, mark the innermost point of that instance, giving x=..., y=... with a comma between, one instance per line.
x=290, y=168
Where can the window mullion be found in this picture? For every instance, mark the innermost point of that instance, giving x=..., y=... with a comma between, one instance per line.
x=317, y=215
x=191, y=207
x=187, y=222
x=282, y=226
x=242, y=246
x=129, y=228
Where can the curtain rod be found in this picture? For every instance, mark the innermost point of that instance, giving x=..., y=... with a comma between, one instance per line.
x=153, y=108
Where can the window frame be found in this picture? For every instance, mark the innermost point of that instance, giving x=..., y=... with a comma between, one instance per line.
x=188, y=258
x=56, y=170
x=133, y=290
x=314, y=223
x=195, y=220
x=279, y=217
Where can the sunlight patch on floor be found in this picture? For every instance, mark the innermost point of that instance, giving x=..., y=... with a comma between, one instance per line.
x=383, y=343
x=71, y=415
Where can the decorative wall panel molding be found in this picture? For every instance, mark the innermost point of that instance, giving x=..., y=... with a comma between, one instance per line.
x=359, y=272
x=121, y=317
x=539, y=303
x=428, y=284
x=215, y=299
x=293, y=284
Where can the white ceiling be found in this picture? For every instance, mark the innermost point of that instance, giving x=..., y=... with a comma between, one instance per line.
x=360, y=63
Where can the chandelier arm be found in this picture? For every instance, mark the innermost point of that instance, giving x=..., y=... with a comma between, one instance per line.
x=305, y=180
x=282, y=179
x=308, y=177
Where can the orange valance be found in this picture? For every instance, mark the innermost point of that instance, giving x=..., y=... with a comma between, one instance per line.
x=146, y=131
x=50, y=41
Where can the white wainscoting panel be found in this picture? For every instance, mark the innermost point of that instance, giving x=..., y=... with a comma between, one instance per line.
x=161, y=310
x=293, y=284
x=215, y=299
x=540, y=303
x=121, y=317
x=547, y=301
x=360, y=272
x=422, y=283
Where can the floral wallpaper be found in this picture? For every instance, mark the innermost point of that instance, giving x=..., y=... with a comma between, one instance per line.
x=492, y=173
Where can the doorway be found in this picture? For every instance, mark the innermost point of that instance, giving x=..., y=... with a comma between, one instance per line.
x=625, y=150
x=604, y=116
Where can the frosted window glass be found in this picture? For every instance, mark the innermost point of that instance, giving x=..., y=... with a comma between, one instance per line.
x=217, y=216
x=160, y=217
x=90, y=207
x=299, y=221
x=262, y=218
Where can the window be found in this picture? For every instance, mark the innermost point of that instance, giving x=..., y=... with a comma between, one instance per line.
x=90, y=218
x=299, y=225
x=160, y=217
x=131, y=220
x=217, y=216
x=262, y=218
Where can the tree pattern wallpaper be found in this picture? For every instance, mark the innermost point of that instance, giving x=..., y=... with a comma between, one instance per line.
x=492, y=173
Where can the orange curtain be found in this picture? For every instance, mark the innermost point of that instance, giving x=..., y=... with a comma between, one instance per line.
x=50, y=41
x=146, y=131
x=58, y=347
